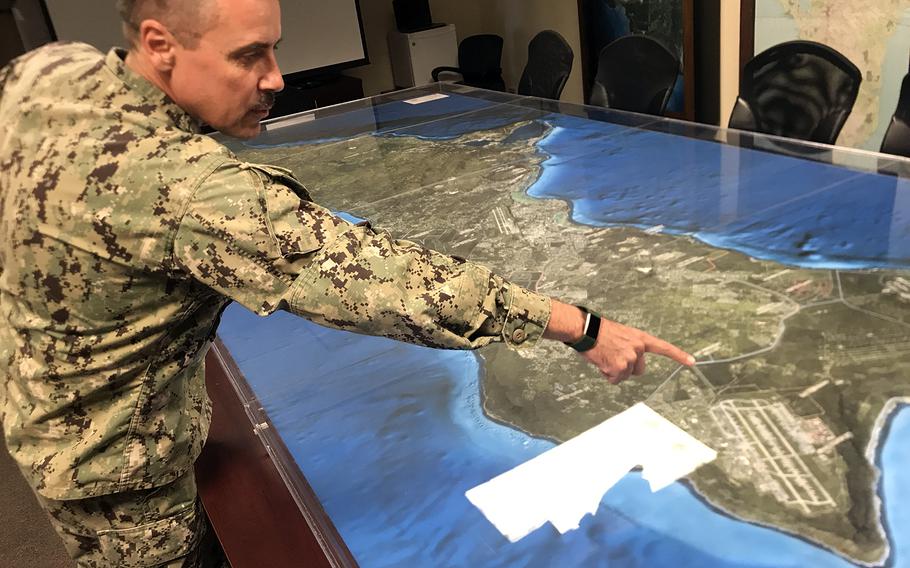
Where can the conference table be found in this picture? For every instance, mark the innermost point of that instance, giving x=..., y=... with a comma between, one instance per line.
x=780, y=264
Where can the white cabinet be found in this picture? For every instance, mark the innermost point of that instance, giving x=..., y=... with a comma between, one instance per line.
x=415, y=55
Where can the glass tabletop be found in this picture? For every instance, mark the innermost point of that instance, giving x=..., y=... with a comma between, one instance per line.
x=781, y=264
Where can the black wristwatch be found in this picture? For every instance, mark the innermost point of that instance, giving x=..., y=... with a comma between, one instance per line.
x=589, y=336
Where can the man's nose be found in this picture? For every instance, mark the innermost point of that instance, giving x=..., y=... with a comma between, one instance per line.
x=272, y=80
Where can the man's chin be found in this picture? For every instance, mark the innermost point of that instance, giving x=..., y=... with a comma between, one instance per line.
x=242, y=131
x=249, y=135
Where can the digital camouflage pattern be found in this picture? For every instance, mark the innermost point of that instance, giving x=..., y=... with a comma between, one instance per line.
x=163, y=526
x=123, y=235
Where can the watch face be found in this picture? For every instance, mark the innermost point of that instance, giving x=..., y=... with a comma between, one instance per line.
x=592, y=325
x=592, y=328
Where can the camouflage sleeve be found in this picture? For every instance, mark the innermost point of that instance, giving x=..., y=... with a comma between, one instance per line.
x=252, y=234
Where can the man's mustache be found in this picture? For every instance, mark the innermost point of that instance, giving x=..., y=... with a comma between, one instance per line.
x=267, y=99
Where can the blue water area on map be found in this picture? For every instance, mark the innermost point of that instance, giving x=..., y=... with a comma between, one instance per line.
x=390, y=436
x=768, y=205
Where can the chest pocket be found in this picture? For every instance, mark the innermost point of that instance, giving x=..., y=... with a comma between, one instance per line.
x=297, y=226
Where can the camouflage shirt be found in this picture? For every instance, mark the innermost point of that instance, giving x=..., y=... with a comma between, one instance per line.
x=123, y=235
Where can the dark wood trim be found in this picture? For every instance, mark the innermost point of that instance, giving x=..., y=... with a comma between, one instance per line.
x=587, y=75
x=707, y=61
x=688, y=16
x=746, y=32
x=251, y=508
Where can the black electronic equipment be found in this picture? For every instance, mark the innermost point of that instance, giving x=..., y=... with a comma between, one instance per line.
x=413, y=16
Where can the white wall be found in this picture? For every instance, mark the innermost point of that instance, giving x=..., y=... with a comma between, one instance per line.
x=316, y=34
x=729, y=58
x=520, y=20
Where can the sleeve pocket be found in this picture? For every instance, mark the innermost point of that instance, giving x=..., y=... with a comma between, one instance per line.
x=296, y=225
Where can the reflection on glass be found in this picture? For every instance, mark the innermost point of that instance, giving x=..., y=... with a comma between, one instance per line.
x=608, y=20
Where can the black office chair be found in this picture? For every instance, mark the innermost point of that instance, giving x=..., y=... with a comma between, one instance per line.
x=635, y=73
x=798, y=89
x=549, y=64
x=897, y=137
x=479, y=62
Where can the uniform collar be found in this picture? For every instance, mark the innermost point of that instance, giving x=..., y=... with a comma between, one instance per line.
x=164, y=108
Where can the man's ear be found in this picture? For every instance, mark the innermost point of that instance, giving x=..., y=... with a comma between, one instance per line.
x=158, y=44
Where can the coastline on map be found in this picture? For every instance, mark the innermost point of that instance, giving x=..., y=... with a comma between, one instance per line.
x=893, y=407
x=880, y=433
x=890, y=411
x=540, y=188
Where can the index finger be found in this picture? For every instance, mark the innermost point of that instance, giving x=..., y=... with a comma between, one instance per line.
x=661, y=347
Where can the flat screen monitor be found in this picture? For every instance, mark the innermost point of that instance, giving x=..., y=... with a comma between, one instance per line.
x=318, y=37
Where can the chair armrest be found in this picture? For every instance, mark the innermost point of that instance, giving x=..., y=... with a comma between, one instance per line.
x=435, y=72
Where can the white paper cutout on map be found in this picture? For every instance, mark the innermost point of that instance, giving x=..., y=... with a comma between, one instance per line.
x=567, y=482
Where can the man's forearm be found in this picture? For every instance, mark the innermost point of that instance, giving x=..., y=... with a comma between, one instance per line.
x=566, y=322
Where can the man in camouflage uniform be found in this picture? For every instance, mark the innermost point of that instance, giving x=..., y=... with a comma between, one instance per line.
x=124, y=233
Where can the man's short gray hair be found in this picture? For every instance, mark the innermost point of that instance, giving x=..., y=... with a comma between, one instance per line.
x=186, y=19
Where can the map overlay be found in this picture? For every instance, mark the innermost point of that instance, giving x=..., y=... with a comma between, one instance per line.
x=784, y=276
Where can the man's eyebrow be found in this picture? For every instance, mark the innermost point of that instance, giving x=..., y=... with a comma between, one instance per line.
x=252, y=48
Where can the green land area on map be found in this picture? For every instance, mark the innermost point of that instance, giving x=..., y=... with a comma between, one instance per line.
x=798, y=368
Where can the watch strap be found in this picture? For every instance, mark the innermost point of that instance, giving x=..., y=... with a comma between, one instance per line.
x=589, y=335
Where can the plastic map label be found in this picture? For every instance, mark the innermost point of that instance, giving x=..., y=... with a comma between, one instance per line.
x=563, y=484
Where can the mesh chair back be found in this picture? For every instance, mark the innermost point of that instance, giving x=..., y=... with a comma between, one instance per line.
x=798, y=89
x=897, y=137
x=549, y=64
x=479, y=59
x=635, y=73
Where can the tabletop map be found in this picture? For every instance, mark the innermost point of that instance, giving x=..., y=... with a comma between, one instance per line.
x=799, y=366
